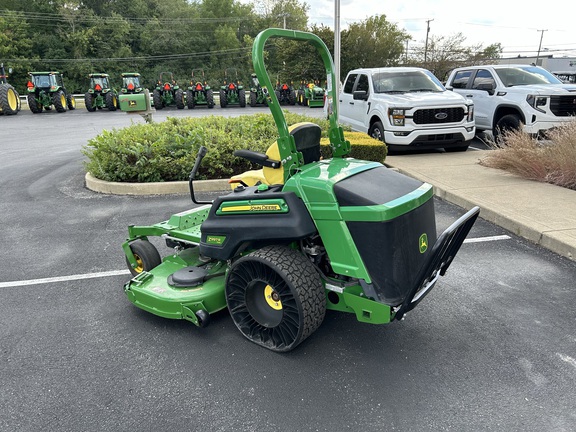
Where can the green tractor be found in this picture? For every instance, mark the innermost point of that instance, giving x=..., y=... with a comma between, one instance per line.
x=167, y=92
x=285, y=93
x=257, y=92
x=232, y=93
x=311, y=94
x=315, y=234
x=199, y=92
x=131, y=83
x=9, y=97
x=100, y=94
x=46, y=90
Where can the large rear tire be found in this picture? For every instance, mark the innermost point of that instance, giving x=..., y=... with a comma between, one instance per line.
x=275, y=297
x=111, y=101
x=89, y=102
x=292, y=97
x=59, y=101
x=179, y=99
x=242, y=98
x=210, y=98
x=190, y=101
x=9, y=99
x=252, y=99
x=157, y=100
x=146, y=254
x=223, y=99
x=33, y=104
x=70, y=102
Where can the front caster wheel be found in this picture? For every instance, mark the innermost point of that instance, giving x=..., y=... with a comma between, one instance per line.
x=146, y=254
x=275, y=297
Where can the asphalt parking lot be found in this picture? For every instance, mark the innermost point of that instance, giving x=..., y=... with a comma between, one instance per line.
x=492, y=348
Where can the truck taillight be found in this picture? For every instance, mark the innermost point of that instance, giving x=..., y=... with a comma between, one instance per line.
x=397, y=116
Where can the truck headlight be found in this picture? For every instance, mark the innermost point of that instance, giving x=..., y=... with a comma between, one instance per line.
x=470, y=116
x=537, y=101
x=397, y=116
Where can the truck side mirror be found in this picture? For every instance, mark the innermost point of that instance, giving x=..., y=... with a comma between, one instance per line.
x=360, y=95
x=488, y=87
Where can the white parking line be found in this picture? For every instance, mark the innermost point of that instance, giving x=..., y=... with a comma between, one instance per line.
x=487, y=239
x=127, y=272
x=64, y=278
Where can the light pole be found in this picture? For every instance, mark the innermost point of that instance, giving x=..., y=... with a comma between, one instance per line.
x=426, y=46
x=337, y=47
x=540, y=46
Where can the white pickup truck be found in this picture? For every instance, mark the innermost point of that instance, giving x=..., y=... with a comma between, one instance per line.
x=514, y=96
x=406, y=107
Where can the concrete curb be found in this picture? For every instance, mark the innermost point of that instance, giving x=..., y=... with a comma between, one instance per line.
x=156, y=188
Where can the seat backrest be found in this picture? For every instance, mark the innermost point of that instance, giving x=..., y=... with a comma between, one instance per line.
x=307, y=139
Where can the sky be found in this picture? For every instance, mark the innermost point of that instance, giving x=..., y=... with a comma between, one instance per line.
x=516, y=26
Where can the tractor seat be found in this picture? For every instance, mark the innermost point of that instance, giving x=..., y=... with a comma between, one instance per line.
x=307, y=139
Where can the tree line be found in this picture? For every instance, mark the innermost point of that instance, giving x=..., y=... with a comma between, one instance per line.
x=78, y=37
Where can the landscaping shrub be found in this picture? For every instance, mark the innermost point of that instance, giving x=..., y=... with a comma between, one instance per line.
x=552, y=160
x=166, y=151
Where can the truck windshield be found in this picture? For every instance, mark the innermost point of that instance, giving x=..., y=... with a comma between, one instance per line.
x=408, y=81
x=526, y=75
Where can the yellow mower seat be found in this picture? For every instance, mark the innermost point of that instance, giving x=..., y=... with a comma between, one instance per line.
x=307, y=139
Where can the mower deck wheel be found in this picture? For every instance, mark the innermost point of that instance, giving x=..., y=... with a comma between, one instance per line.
x=146, y=254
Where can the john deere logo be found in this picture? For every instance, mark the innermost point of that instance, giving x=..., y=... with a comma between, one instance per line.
x=131, y=103
x=215, y=240
x=423, y=242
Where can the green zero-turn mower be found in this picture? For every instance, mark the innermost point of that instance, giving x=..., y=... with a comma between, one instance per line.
x=340, y=234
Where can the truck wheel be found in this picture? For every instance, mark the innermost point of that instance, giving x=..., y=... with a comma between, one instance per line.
x=179, y=99
x=275, y=297
x=210, y=98
x=33, y=104
x=508, y=123
x=111, y=101
x=157, y=99
x=376, y=131
x=146, y=254
x=59, y=101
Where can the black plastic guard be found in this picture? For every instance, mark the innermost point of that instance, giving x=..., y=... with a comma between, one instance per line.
x=443, y=253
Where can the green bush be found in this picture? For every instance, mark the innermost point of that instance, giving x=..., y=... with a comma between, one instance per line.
x=166, y=151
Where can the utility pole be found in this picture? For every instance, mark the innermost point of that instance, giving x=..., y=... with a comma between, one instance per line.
x=426, y=46
x=540, y=46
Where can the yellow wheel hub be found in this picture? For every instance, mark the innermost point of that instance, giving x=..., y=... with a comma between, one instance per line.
x=272, y=298
x=12, y=100
x=63, y=100
x=140, y=267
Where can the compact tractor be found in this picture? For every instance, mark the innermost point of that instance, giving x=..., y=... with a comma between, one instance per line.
x=312, y=235
x=46, y=90
x=167, y=92
x=100, y=94
x=232, y=93
x=131, y=83
x=285, y=93
x=311, y=94
x=9, y=97
x=199, y=92
x=257, y=92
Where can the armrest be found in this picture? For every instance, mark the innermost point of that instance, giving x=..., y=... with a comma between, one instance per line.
x=257, y=158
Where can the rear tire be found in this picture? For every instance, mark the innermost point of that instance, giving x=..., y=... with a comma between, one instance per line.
x=111, y=101
x=190, y=101
x=89, y=102
x=275, y=297
x=242, y=98
x=9, y=99
x=292, y=97
x=179, y=99
x=146, y=255
x=70, y=102
x=252, y=99
x=33, y=104
x=157, y=100
x=210, y=98
x=59, y=101
x=223, y=99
